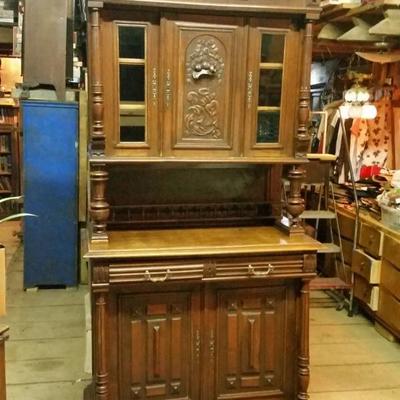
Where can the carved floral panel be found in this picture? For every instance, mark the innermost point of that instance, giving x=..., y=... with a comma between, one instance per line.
x=205, y=67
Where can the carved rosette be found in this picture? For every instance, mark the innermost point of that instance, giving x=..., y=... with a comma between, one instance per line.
x=201, y=118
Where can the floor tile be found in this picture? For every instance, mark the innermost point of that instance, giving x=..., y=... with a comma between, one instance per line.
x=355, y=377
x=44, y=349
x=47, y=391
x=47, y=370
x=388, y=394
x=322, y=316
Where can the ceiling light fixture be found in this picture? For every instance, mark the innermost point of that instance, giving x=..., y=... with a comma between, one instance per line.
x=357, y=104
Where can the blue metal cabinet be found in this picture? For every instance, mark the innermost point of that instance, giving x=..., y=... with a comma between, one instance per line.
x=50, y=159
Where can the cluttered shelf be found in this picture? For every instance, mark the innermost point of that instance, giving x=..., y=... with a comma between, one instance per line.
x=351, y=26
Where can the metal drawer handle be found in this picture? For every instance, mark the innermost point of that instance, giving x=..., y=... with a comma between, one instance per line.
x=252, y=271
x=148, y=277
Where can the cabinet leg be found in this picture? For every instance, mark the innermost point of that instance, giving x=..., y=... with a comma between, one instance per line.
x=303, y=359
x=101, y=384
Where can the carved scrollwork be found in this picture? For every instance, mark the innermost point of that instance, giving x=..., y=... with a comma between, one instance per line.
x=202, y=115
x=204, y=60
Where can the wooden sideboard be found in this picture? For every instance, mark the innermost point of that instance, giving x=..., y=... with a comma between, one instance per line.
x=202, y=313
x=376, y=267
x=199, y=287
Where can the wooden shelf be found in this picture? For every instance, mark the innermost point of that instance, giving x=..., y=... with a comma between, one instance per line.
x=344, y=12
x=335, y=11
x=342, y=15
x=148, y=161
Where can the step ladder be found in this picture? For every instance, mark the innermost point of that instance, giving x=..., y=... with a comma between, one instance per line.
x=319, y=176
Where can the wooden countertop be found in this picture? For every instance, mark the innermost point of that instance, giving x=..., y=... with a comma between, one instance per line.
x=199, y=242
x=367, y=219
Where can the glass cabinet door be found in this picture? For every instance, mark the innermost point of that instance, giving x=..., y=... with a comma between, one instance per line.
x=130, y=73
x=272, y=85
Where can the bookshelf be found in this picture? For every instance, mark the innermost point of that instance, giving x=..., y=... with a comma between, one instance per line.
x=9, y=152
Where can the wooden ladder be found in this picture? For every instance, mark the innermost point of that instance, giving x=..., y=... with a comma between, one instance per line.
x=319, y=175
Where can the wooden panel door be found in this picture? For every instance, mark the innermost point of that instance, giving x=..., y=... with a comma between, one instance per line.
x=130, y=70
x=203, y=76
x=159, y=349
x=255, y=343
x=273, y=85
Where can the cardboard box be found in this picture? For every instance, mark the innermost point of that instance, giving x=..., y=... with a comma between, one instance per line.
x=2, y=280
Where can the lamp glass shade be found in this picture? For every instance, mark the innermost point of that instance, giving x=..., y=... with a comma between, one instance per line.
x=362, y=96
x=368, y=111
x=355, y=111
x=350, y=96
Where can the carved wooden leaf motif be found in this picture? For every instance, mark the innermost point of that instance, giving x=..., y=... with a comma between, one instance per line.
x=204, y=59
x=202, y=115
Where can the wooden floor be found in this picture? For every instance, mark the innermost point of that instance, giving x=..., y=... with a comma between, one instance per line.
x=46, y=350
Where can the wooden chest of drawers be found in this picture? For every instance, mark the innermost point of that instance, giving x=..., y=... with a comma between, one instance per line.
x=376, y=265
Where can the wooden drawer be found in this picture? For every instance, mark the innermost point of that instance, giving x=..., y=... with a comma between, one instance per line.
x=390, y=278
x=347, y=247
x=366, y=266
x=389, y=309
x=156, y=272
x=346, y=226
x=260, y=267
x=371, y=240
x=212, y=269
x=365, y=292
x=391, y=250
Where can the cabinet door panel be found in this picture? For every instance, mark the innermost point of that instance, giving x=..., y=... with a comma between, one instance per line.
x=253, y=360
x=130, y=70
x=159, y=359
x=273, y=78
x=203, y=73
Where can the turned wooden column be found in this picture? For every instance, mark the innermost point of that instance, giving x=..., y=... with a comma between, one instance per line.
x=303, y=358
x=100, y=289
x=295, y=201
x=96, y=85
x=3, y=338
x=99, y=208
x=303, y=137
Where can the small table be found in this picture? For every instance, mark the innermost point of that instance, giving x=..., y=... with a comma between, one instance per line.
x=3, y=338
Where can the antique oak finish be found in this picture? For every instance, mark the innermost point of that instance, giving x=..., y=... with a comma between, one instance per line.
x=196, y=292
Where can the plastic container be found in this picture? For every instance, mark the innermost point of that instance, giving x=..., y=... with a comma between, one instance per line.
x=390, y=217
